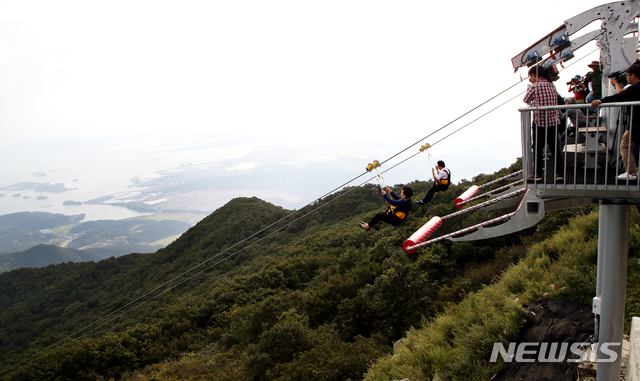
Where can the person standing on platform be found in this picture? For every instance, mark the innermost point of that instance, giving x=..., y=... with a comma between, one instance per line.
x=543, y=93
x=631, y=136
x=594, y=81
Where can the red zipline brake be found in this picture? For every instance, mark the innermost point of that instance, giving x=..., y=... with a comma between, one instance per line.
x=425, y=231
x=469, y=193
x=456, y=226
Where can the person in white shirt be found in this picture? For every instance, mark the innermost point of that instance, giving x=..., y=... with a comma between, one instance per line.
x=441, y=182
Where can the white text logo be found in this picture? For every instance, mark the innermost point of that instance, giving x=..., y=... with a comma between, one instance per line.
x=554, y=352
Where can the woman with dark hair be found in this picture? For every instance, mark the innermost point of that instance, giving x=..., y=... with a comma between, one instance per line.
x=398, y=207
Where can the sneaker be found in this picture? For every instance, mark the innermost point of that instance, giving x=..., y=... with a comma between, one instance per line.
x=627, y=176
x=559, y=178
x=420, y=202
x=534, y=177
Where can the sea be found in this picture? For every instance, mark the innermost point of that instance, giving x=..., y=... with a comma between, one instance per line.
x=82, y=186
x=91, y=175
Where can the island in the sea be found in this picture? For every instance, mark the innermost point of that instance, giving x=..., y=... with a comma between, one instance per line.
x=38, y=187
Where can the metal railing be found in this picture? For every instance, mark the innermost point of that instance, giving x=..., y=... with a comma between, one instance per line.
x=582, y=158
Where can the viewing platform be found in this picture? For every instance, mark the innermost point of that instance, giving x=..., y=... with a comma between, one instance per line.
x=590, y=155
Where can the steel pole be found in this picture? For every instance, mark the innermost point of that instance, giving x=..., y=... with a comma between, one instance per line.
x=614, y=243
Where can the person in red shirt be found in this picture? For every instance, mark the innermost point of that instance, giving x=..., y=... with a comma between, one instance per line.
x=542, y=93
x=578, y=88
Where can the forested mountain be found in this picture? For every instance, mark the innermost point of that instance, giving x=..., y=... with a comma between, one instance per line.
x=44, y=255
x=37, y=239
x=20, y=231
x=254, y=292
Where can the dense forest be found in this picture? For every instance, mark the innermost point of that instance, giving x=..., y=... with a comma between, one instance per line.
x=257, y=292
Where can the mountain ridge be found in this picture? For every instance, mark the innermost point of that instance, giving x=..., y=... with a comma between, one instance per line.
x=21, y=232
x=319, y=293
x=44, y=255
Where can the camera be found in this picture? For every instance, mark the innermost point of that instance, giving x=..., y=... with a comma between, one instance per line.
x=620, y=77
x=552, y=73
x=575, y=81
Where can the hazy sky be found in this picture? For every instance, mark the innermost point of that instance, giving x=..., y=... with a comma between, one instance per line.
x=328, y=81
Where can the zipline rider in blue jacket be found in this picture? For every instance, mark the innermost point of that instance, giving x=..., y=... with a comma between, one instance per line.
x=398, y=207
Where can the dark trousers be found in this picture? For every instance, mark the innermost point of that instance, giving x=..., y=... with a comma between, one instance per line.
x=543, y=137
x=382, y=216
x=435, y=188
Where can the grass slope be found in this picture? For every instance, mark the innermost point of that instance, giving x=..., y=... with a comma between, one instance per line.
x=456, y=344
x=317, y=300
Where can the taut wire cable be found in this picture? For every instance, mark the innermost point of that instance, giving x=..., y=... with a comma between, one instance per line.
x=96, y=325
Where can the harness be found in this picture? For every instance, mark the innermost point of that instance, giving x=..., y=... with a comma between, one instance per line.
x=391, y=209
x=446, y=181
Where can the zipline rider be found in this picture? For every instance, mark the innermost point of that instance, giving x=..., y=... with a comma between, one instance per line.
x=397, y=208
x=441, y=182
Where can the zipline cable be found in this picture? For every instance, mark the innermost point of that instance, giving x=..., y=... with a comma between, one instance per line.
x=478, y=118
x=71, y=336
x=466, y=125
x=478, y=106
x=69, y=339
x=232, y=255
x=455, y=120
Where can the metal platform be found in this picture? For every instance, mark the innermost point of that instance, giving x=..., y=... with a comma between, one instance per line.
x=591, y=161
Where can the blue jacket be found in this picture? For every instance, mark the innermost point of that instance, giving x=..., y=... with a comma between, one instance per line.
x=399, y=208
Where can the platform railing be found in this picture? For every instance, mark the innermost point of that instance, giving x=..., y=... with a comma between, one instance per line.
x=589, y=155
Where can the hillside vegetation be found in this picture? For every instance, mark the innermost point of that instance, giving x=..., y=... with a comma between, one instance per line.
x=319, y=299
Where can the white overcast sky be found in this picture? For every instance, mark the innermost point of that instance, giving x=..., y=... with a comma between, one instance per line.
x=374, y=76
